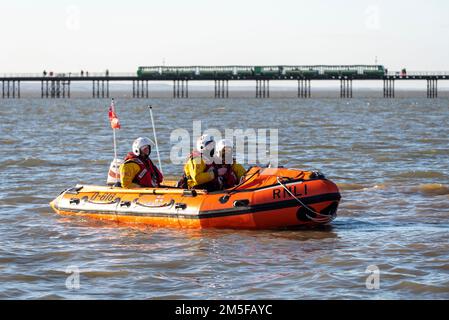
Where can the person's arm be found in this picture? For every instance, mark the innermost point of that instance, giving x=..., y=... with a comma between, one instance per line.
x=127, y=173
x=196, y=171
x=239, y=170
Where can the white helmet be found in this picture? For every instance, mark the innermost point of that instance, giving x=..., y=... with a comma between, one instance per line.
x=222, y=145
x=139, y=143
x=205, y=142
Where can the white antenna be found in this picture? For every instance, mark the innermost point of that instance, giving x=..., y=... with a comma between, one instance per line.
x=155, y=139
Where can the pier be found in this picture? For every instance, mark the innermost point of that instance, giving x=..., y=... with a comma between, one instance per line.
x=58, y=85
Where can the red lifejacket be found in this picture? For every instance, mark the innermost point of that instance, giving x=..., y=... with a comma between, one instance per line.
x=230, y=178
x=149, y=175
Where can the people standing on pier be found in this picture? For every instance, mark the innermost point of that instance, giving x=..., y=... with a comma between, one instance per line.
x=200, y=171
x=224, y=159
x=82, y=73
x=138, y=170
x=44, y=73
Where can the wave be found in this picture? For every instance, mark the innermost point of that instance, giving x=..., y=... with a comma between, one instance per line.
x=350, y=186
x=33, y=162
x=428, y=189
x=421, y=174
x=431, y=189
x=357, y=186
x=8, y=141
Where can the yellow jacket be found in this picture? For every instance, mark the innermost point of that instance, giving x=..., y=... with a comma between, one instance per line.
x=128, y=171
x=239, y=170
x=195, y=171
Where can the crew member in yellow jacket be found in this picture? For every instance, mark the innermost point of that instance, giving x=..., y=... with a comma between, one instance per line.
x=200, y=171
x=138, y=170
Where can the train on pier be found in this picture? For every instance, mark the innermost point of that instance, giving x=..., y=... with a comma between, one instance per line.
x=268, y=72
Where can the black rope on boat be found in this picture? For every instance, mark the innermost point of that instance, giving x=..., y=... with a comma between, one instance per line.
x=321, y=218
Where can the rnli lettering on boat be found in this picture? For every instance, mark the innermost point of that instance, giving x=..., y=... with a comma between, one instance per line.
x=281, y=193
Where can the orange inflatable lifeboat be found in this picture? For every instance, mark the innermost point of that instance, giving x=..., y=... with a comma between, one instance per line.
x=268, y=198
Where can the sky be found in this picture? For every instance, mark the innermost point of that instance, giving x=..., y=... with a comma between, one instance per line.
x=66, y=36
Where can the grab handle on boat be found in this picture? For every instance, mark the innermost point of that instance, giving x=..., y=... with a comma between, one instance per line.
x=180, y=206
x=125, y=203
x=241, y=203
x=169, y=204
x=74, y=201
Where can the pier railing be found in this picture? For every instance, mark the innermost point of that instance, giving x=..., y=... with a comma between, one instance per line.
x=67, y=74
x=419, y=73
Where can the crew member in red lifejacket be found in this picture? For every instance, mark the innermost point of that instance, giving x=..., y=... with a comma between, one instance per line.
x=138, y=170
x=200, y=171
x=224, y=159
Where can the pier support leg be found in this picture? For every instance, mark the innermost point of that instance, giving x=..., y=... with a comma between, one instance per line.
x=3, y=89
x=146, y=85
x=182, y=88
x=310, y=89
x=436, y=88
x=257, y=88
x=432, y=88
x=263, y=88
x=102, y=88
x=139, y=89
x=93, y=89
x=107, y=88
x=350, y=88
x=345, y=88
x=8, y=89
x=98, y=88
x=268, y=88
x=388, y=88
x=227, y=88
x=304, y=88
x=220, y=88
x=134, y=89
x=42, y=89
x=68, y=89
x=53, y=89
x=13, y=89
x=46, y=89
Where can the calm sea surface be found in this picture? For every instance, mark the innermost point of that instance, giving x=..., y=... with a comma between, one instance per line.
x=390, y=159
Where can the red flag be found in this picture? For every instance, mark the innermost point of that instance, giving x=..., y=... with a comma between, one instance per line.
x=115, y=123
